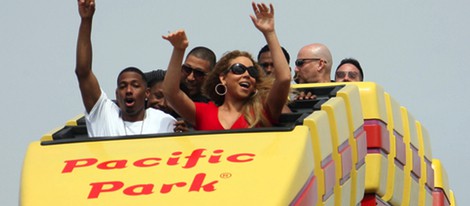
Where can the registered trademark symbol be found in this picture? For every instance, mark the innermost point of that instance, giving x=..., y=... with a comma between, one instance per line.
x=225, y=175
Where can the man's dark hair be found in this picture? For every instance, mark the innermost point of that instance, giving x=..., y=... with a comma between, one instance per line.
x=204, y=53
x=353, y=62
x=266, y=49
x=132, y=69
x=154, y=77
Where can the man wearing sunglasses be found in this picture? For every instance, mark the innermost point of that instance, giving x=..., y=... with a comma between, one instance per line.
x=199, y=62
x=313, y=64
x=349, y=70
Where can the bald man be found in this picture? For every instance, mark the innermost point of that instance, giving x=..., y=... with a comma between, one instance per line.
x=313, y=64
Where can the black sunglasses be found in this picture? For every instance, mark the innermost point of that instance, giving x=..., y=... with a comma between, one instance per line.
x=240, y=69
x=351, y=74
x=188, y=70
x=301, y=62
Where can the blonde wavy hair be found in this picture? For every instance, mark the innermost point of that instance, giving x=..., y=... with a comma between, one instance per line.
x=254, y=108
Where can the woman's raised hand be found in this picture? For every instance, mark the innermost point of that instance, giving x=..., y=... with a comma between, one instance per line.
x=263, y=19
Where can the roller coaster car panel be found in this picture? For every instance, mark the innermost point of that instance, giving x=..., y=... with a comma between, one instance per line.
x=296, y=162
x=260, y=166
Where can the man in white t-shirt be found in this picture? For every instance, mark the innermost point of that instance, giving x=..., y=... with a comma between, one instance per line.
x=128, y=116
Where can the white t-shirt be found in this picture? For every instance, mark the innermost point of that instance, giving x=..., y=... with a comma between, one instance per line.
x=104, y=120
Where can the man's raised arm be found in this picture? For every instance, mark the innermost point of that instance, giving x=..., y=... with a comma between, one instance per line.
x=87, y=81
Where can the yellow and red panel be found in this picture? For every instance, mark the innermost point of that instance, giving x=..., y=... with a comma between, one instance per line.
x=357, y=140
x=271, y=168
x=378, y=144
x=397, y=158
x=412, y=169
x=426, y=182
x=441, y=193
x=337, y=116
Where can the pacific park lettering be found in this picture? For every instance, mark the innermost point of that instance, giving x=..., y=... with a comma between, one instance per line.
x=176, y=159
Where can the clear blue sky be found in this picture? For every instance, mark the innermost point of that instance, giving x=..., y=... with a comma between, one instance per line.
x=417, y=50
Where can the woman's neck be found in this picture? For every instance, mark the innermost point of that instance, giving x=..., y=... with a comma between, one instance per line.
x=230, y=105
x=229, y=112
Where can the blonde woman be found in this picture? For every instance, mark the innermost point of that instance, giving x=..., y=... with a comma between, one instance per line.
x=242, y=97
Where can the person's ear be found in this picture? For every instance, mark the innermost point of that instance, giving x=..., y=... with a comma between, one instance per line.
x=321, y=64
x=222, y=78
x=116, y=93
x=147, y=93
